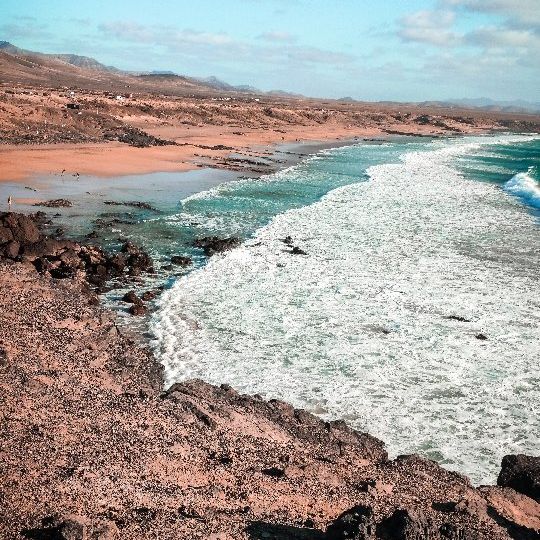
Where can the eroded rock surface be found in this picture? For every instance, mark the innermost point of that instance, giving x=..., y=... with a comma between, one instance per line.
x=91, y=446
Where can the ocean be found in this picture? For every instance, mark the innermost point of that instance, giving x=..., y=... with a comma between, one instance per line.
x=414, y=313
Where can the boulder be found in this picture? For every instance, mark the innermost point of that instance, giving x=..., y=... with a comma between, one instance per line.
x=12, y=249
x=149, y=295
x=521, y=473
x=138, y=309
x=23, y=229
x=5, y=235
x=117, y=263
x=355, y=524
x=213, y=244
x=181, y=260
x=70, y=258
x=132, y=298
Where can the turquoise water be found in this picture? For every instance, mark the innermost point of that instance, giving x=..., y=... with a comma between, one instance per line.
x=514, y=166
x=399, y=238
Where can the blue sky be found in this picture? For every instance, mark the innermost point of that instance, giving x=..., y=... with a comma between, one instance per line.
x=373, y=50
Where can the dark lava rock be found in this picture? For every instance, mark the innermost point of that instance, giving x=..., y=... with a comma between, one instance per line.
x=481, y=336
x=149, y=295
x=12, y=249
x=72, y=528
x=356, y=523
x=405, y=525
x=138, y=309
x=274, y=472
x=132, y=298
x=458, y=318
x=287, y=240
x=297, y=251
x=180, y=260
x=55, y=203
x=133, y=204
x=23, y=229
x=130, y=248
x=521, y=473
x=118, y=262
x=137, y=259
x=213, y=244
x=5, y=235
x=135, y=137
x=4, y=357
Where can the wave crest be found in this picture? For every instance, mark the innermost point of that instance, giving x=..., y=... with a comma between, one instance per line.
x=524, y=186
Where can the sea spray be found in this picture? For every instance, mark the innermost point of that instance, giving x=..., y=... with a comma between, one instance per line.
x=364, y=326
x=524, y=186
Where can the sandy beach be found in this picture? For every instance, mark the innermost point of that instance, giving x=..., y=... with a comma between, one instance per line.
x=163, y=133
x=97, y=442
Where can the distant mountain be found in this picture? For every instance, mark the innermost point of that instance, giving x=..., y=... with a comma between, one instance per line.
x=161, y=72
x=23, y=66
x=282, y=93
x=487, y=104
x=84, y=62
x=218, y=84
x=6, y=46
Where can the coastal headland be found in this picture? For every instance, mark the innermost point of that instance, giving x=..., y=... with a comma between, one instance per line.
x=92, y=443
x=94, y=446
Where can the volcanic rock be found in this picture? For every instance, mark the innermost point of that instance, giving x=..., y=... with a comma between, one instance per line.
x=138, y=309
x=356, y=523
x=132, y=298
x=521, y=473
x=55, y=203
x=181, y=260
x=213, y=244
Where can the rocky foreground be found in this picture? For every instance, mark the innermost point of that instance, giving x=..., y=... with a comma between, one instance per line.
x=93, y=447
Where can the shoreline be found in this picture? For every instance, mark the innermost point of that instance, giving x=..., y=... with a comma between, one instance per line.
x=212, y=147
x=89, y=430
x=22, y=163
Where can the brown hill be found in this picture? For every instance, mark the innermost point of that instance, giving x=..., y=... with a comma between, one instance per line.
x=18, y=66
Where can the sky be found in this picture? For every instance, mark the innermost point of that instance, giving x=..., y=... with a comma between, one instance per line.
x=376, y=50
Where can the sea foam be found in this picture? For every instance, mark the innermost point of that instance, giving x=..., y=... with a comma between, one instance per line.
x=360, y=328
x=524, y=186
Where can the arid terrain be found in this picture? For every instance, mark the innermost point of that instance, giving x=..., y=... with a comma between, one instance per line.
x=55, y=116
x=92, y=445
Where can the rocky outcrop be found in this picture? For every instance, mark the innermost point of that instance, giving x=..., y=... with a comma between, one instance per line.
x=521, y=473
x=134, y=137
x=92, y=447
x=56, y=203
x=181, y=260
x=134, y=204
x=213, y=244
x=21, y=240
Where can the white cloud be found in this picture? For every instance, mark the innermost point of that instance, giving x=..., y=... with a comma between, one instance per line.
x=279, y=48
x=523, y=12
x=493, y=36
x=432, y=27
x=276, y=36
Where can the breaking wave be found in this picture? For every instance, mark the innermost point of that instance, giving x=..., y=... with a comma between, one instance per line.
x=524, y=186
x=366, y=326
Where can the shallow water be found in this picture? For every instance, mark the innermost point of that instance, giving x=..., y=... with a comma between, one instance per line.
x=404, y=237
